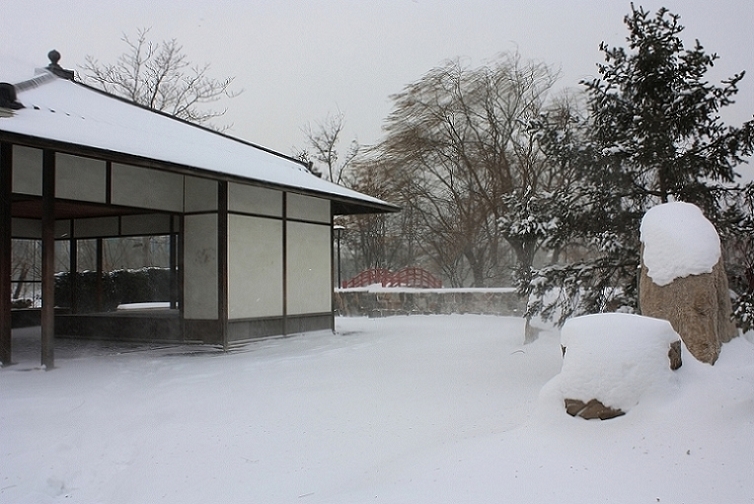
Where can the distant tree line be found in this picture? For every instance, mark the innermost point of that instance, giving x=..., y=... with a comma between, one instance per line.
x=502, y=181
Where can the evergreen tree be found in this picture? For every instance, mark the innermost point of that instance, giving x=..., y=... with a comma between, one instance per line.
x=652, y=134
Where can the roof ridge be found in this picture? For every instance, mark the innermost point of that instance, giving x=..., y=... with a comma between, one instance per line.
x=44, y=77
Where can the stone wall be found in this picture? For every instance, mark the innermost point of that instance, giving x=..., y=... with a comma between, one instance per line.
x=386, y=302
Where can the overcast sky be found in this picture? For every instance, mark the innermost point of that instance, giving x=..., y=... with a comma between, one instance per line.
x=299, y=60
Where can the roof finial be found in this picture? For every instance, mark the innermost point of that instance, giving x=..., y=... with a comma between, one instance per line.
x=57, y=69
x=54, y=56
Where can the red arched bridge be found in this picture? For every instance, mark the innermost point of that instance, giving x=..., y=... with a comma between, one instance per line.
x=407, y=277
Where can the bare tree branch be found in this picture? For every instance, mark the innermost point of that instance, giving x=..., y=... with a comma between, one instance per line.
x=159, y=76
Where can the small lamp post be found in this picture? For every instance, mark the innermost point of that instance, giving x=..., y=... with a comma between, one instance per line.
x=338, y=230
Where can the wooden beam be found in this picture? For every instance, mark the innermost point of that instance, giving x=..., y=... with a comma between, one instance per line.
x=48, y=259
x=6, y=179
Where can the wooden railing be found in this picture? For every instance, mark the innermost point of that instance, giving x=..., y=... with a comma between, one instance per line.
x=412, y=277
x=407, y=277
x=366, y=277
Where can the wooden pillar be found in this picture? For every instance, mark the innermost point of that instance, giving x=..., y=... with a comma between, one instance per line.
x=285, y=263
x=222, y=260
x=181, y=265
x=6, y=189
x=173, y=244
x=334, y=233
x=48, y=259
x=99, y=295
x=73, y=271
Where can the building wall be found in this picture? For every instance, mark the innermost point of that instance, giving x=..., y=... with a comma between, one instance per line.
x=255, y=267
x=80, y=178
x=200, y=266
x=279, y=250
x=309, y=255
x=279, y=259
x=309, y=279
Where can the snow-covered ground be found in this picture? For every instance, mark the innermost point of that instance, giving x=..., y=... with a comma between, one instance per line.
x=405, y=409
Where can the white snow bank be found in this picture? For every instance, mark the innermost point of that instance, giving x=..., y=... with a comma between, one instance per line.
x=678, y=241
x=615, y=358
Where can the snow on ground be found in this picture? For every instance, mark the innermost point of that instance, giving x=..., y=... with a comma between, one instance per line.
x=405, y=409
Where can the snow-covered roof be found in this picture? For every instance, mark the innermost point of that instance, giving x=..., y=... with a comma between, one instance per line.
x=76, y=114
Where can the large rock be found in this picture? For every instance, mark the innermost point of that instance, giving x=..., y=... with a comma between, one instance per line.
x=697, y=306
x=683, y=278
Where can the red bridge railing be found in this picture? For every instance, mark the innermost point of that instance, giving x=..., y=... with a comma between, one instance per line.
x=412, y=277
x=407, y=277
x=367, y=277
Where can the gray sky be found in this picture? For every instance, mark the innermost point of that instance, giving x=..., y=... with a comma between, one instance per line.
x=298, y=60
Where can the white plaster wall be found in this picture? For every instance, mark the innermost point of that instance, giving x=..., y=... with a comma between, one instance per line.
x=200, y=284
x=255, y=267
x=145, y=188
x=27, y=170
x=80, y=178
x=309, y=280
x=200, y=194
x=255, y=200
x=308, y=208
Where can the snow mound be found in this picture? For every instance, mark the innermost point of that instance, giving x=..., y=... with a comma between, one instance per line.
x=678, y=241
x=615, y=358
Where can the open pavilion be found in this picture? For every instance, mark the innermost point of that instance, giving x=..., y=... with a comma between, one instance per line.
x=250, y=230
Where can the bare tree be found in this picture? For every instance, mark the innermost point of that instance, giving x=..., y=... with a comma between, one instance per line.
x=364, y=236
x=160, y=76
x=323, y=142
x=457, y=142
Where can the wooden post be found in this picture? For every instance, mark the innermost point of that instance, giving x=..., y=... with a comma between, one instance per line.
x=6, y=189
x=285, y=263
x=180, y=281
x=99, y=280
x=48, y=259
x=73, y=271
x=173, y=244
x=222, y=260
x=336, y=232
